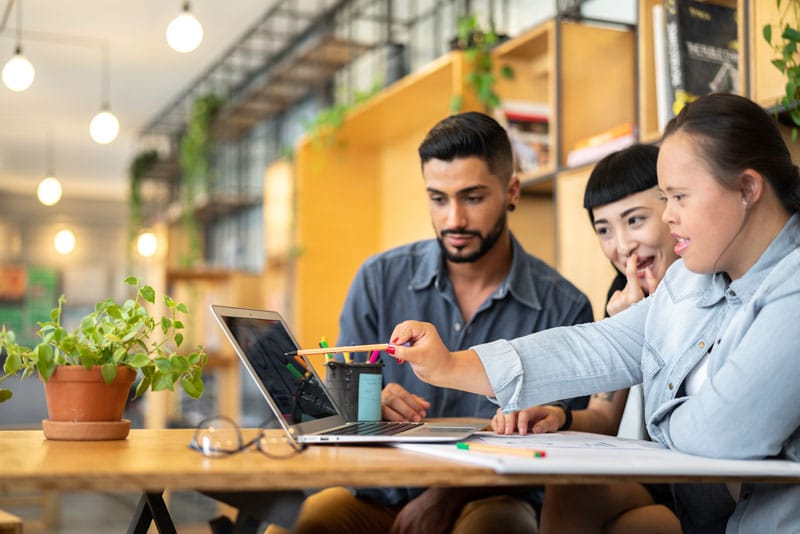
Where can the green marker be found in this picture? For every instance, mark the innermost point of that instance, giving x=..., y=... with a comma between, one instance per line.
x=294, y=371
x=323, y=344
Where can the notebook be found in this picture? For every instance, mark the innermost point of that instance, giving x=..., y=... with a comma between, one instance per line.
x=298, y=398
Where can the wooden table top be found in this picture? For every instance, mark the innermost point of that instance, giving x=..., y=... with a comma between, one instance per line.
x=158, y=459
x=154, y=460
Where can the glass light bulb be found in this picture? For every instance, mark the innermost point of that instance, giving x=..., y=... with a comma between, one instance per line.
x=18, y=73
x=104, y=127
x=49, y=191
x=184, y=33
x=64, y=242
x=147, y=244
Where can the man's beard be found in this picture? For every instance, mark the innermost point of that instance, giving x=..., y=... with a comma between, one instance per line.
x=486, y=243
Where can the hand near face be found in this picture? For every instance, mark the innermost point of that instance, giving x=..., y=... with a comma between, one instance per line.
x=398, y=404
x=537, y=419
x=635, y=289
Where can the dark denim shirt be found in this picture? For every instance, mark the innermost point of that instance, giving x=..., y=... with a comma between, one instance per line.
x=411, y=282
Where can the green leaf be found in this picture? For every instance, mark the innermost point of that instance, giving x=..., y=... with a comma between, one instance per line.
x=791, y=34
x=119, y=354
x=507, y=72
x=132, y=281
x=13, y=362
x=456, y=103
x=183, y=309
x=162, y=381
x=109, y=372
x=138, y=360
x=190, y=388
x=142, y=387
x=45, y=362
x=766, y=31
x=166, y=322
x=180, y=364
x=148, y=294
x=178, y=339
x=5, y=394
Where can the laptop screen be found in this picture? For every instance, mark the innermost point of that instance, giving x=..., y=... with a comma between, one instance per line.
x=293, y=386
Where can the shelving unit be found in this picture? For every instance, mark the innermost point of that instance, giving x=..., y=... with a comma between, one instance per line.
x=364, y=194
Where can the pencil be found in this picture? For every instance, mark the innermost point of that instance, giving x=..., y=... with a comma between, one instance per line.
x=333, y=350
x=501, y=449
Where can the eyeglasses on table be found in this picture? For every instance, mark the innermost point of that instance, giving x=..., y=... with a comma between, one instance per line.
x=220, y=436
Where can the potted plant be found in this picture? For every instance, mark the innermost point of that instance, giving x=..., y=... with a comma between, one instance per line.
x=787, y=60
x=477, y=45
x=113, y=344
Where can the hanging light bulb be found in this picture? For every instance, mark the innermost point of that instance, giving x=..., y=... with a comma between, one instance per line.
x=147, y=244
x=184, y=33
x=49, y=190
x=18, y=73
x=104, y=126
x=64, y=242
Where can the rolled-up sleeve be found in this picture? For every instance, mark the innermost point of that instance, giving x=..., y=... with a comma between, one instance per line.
x=504, y=369
x=566, y=361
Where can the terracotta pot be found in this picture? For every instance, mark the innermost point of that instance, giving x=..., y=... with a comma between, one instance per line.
x=80, y=404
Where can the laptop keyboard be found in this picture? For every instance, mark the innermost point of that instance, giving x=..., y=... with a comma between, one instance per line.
x=371, y=428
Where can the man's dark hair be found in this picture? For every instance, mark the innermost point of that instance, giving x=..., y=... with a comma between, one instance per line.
x=470, y=134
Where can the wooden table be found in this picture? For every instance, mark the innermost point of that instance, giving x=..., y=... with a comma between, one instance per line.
x=152, y=461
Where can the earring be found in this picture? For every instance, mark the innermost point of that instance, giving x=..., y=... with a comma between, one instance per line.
x=512, y=207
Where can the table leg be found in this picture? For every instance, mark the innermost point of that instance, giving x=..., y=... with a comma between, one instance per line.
x=151, y=509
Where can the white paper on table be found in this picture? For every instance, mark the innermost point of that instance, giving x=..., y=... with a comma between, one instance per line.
x=573, y=452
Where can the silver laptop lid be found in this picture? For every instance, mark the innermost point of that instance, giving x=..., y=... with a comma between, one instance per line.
x=291, y=387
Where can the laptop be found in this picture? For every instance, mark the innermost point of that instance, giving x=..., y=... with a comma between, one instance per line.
x=300, y=401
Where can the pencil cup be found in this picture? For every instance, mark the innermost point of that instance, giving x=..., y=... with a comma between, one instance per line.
x=356, y=388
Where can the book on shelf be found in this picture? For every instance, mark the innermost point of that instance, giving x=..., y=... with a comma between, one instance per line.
x=598, y=146
x=702, y=49
x=528, y=125
x=660, y=64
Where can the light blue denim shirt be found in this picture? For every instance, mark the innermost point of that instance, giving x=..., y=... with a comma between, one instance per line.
x=749, y=406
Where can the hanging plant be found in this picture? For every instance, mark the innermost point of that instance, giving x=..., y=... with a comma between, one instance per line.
x=139, y=167
x=786, y=60
x=477, y=45
x=323, y=130
x=194, y=156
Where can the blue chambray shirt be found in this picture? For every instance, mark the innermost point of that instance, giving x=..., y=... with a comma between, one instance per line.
x=410, y=282
x=749, y=406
